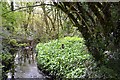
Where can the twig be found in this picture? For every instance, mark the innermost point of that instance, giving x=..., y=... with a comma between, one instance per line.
x=27, y=7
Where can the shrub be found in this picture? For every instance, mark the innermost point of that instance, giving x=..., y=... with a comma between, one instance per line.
x=64, y=57
x=6, y=64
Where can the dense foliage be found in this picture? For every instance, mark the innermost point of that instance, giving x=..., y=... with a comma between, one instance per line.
x=19, y=27
x=69, y=58
x=65, y=57
x=10, y=47
x=99, y=23
x=7, y=64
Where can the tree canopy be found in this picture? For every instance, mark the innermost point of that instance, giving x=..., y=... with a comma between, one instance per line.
x=97, y=22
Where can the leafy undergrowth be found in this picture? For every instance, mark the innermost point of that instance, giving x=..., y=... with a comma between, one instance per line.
x=64, y=57
x=6, y=64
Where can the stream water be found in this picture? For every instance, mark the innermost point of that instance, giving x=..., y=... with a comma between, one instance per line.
x=26, y=69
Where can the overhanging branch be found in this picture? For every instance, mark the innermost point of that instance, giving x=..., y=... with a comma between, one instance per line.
x=27, y=7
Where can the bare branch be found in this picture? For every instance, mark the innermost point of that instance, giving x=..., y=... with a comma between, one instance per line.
x=27, y=7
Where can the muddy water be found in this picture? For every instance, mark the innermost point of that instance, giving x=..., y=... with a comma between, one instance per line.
x=26, y=69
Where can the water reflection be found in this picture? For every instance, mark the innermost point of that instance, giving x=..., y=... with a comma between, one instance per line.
x=25, y=67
